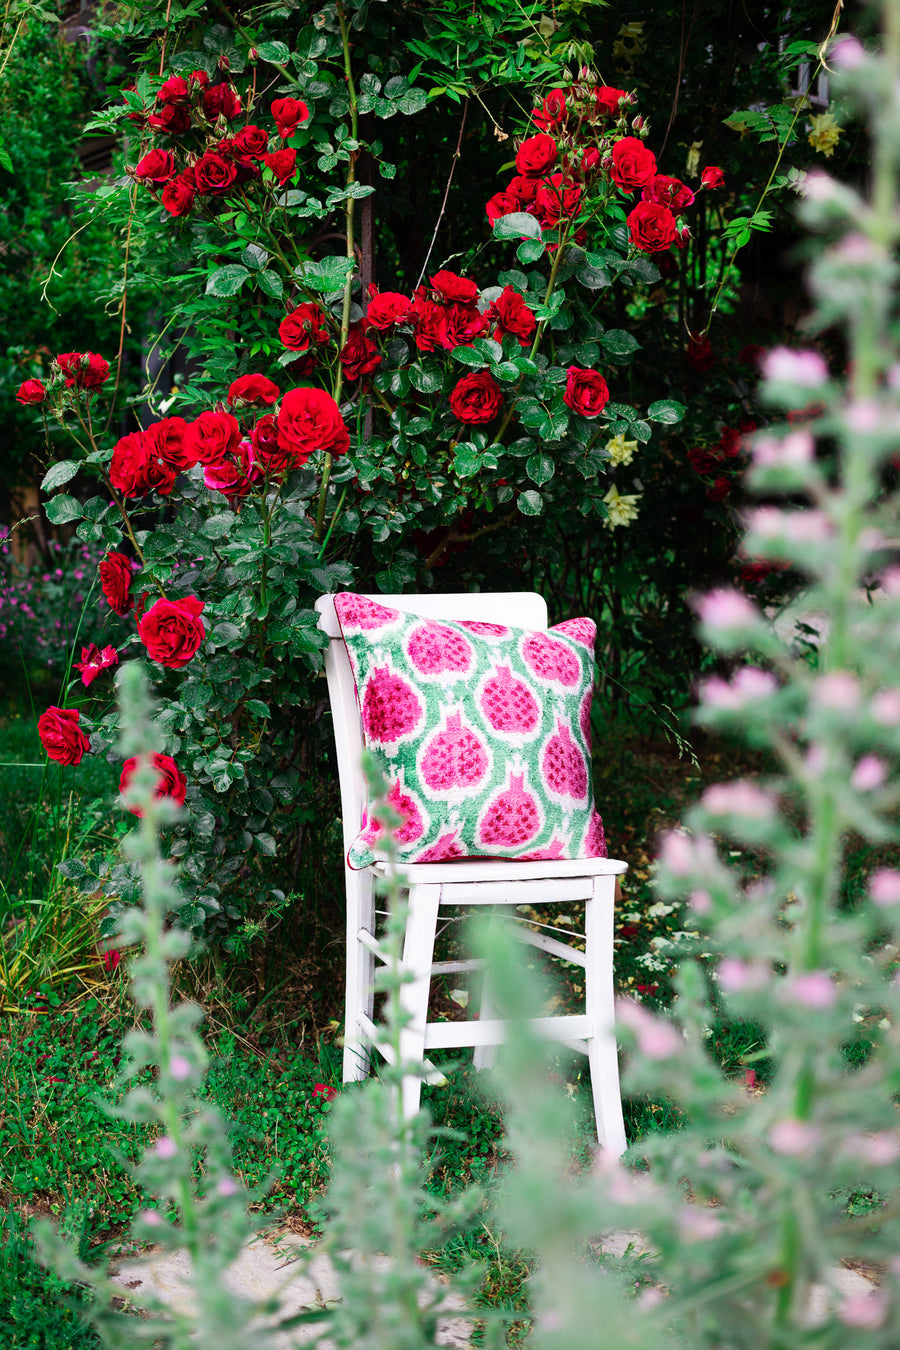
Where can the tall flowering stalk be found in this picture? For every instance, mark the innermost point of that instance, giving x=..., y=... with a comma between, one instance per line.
x=743, y=1212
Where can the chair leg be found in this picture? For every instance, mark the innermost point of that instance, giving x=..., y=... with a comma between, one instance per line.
x=418, y=954
x=600, y=1008
x=360, y=990
x=485, y=1056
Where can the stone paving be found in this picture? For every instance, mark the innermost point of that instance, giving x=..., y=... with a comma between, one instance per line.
x=264, y=1269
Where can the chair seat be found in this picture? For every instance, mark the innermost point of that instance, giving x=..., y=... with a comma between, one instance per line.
x=500, y=869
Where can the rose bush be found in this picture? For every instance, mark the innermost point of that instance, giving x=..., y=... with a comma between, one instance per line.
x=334, y=433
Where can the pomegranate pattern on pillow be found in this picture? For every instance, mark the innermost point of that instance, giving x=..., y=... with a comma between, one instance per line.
x=483, y=732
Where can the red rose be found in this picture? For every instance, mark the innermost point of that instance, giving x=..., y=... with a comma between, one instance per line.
x=234, y=477
x=712, y=177
x=220, y=100
x=214, y=175
x=93, y=661
x=179, y=193
x=552, y=112
x=651, y=228
x=61, y=736
x=700, y=353
x=213, y=436
x=586, y=393
x=387, y=308
x=198, y=79
x=172, y=630
x=633, y=165
x=115, y=579
x=501, y=204
x=536, y=155
x=31, y=393
x=719, y=490
x=512, y=315
x=324, y=1090
x=523, y=189
x=476, y=397
x=670, y=192
x=303, y=328
x=264, y=438
x=171, y=443
x=703, y=461
x=590, y=162
x=430, y=321
x=462, y=325
x=136, y=469
x=248, y=389
x=283, y=164
x=250, y=143
x=556, y=201
x=175, y=90
x=310, y=420
x=170, y=119
x=454, y=289
x=288, y=114
x=157, y=167
x=607, y=99
x=170, y=781
x=83, y=370
x=359, y=355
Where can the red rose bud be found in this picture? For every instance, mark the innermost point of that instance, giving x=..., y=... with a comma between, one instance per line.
x=651, y=228
x=536, y=155
x=175, y=90
x=303, y=328
x=172, y=630
x=633, y=165
x=712, y=177
x=586, y=393
x=359, y=356
x=198, y=79
x=670, y=192
x=288, y=114
x=552, y=112
x=156, y=168
x=116, y=572
x=253, y=389
x=170, y=781
x=501, y=204
x=513, y=316
x=253, y=56
x=93, y=661
x=83, y=370
x=61, y=736
x=310, y=420
x=31, y=393
x=235, y=477
x=476, y=398
x=607, y=100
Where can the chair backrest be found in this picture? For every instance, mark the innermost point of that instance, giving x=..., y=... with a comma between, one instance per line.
x=517, y=609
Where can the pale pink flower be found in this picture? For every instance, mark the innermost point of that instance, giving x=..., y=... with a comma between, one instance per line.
x=813, y=989
x=151, y=1218
x=890, y=582
x=815, y=760
x=817, y=186
x=227, y=1186
x=735, y=976
x=701, y=902
x=786, y=366
x=677, y=853
x=656, y=1039
x=869, y=774
x=848, y=53
x=179, y=1068
x=866, y=1310
x=741, y=798
x=884, y=887
x=879, y=1149
x=863, y=416
x=795, y=1138
x=724, y=609
x=794, y=450
x=886, y=707
x=839, y=690
x=749, y=685
x=650, y=1298
x=165, y=1147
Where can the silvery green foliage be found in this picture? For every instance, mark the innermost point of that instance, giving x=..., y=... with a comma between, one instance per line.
x=744, y=1210
x=211, y=1223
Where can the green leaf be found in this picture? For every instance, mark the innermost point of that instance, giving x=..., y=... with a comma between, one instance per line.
x=271, y=283
x=467, y=460
x=412, y=102
x=226, y=632
x=427, y=379
x=530, y=503
x=330, y=274
x=619, y=342
x=516, y=225
x=58, y=474
x=276, y=53
x=257, y=707
x=594, y=278
x=61, y=509
x=217, y=526
x=666, y=410
x=227, y=280
x=530, y=250
x=540, y=469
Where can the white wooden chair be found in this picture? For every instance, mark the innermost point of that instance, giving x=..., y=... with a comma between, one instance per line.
x=486, y=881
